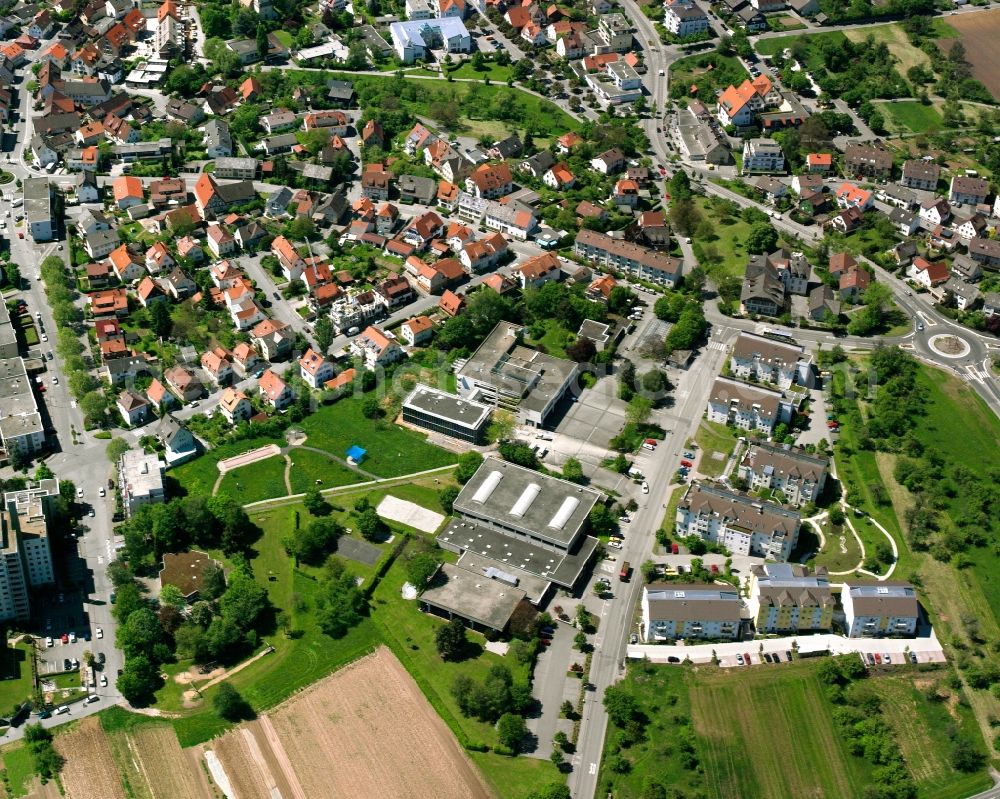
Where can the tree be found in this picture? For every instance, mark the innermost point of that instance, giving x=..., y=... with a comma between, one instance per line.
x=244, y=600
x=502, y=426
x=966, y=756
x=370, y=407
x=602, y=520
x=370, y=525
x=620, y=705
x=420, y=568
x=638, y=410
x=582, y=350
x=685, y=216
x=323, y=330
x=171, y=595
x=451, y=640
x=262, y=43
x=213, y=582
x=447, y=497
x=511, y=731
x=229, y=704
x=139, y=634
x=315, y=504
x=468, y=463
x=339, y=601
x=159, y=319
x=655, y=384
x=138, y=681
x=116, y=448
x=762, y=238
x=573, y=471
x=680, y=186
x=311, y=543
x=554, y=790
x=236, y=531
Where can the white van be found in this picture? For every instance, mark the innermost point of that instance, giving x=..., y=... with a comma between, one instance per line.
x=17, y=203
x=62, y=709
x=650, y=447
x=93, y=698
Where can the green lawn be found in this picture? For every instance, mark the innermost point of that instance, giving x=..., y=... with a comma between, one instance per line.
x=261, y=480
x=779, y=43
x=710, y=72
x=515, y=777
x=723, y=253
x=555, y=340
x=18, y=764
x=494, y=72
x=831, y=555
x=308, y=467
x=15, y=685
x=730, y=721
x=284, y=37
x=713, y=438
x=198, y=476
x=392, y=450
x=911, y=116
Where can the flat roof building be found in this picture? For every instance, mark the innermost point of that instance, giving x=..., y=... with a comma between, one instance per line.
x=38, y=210
x=679, y=610
x=448, y=414
x=20, y=422
x=25, y=551
x=185, y=571
x=502, y=372
x=140, y=478
x=487, y=604
x=525, y=519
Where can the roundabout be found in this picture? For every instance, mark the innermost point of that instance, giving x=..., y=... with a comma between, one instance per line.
x=948, y=345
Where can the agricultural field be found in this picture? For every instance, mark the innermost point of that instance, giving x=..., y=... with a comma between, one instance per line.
x=89, y=770
x=714, y=730
x=978, y=33
x=364, y=731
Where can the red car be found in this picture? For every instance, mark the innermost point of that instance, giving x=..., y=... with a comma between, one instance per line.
x=663, y=171
x=686, y=464
x=746, y=658
x=833, y=425
x=878, y=658
x=20, y=235
x=65, y=638
x=651, y=441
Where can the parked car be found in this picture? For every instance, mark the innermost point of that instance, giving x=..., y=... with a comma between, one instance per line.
x=48, y=641
x=104, y=681
x=746, y=657
x=633, y=639
x=878, y=659
x=93, y=698
x=888, y=658
x=62, y=708
x=689, y=455
x=99, y=632
x=687, y=464
x=913, y=657
x=65, y=638
x=645, y=487
x=72, y=638
x=739, y=659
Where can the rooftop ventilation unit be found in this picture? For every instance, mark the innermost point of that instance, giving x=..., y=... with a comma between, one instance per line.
x=524, y=501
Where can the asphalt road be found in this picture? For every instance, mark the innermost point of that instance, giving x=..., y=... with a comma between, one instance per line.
x=681, y=420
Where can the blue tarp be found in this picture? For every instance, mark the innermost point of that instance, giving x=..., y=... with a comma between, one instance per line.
x=356, y=454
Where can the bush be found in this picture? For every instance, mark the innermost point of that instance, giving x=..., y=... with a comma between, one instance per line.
x=230, y=705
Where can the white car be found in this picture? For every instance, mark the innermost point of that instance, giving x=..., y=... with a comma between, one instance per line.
x=48, y=641
x=55, y=381
x=102, y=492
x=72, y=638
x=62, y=709
x=44, y=337
x=645, y=487
x=99, y=632
x=79, y=493
x=104, y=681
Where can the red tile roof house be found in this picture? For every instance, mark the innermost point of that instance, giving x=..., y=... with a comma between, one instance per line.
x=926, y=273
x=113, y=302
x=416, y=331
x=148, y=291
x=245, y=359
x=489, y=181
x=539, y=270
x=127, y=192
x=218, y=365
x=841, y=262
x=315, y=369
x=377, y=348
x=183, y=383
x=274, y=390
x=159, y=397
x=235, y=406
x=451, y=303
x=854, y=282
x=158, y=258
x=133, y=407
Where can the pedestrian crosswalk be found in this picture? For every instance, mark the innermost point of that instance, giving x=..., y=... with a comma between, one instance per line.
x=717, y=345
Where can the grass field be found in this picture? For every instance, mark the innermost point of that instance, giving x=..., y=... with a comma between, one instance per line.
x=911, y=116
x=896, y=40
x=261, y=480
x=779, y=43
x=15, y=677
x=515, y=777
x=714, y=438
x=18, y=764
x=555, y=340
x=763, y=707
x=308, y=467
x=392, y=450
x=724, y=253
x=709, y=72
x=838, y=556
x=739, y=716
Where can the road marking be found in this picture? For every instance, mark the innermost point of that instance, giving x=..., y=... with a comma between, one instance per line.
x=592, y=769
x=100, y=559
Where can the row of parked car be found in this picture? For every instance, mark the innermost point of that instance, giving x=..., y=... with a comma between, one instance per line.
x=766, y=657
